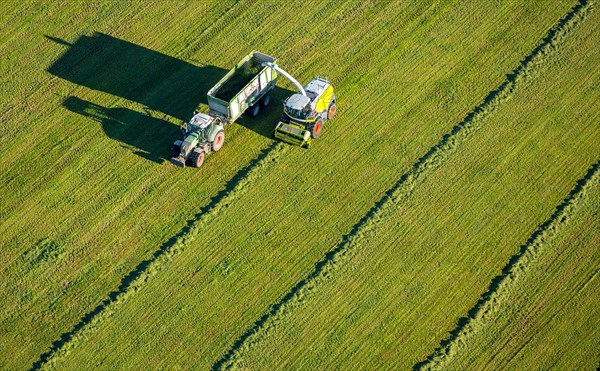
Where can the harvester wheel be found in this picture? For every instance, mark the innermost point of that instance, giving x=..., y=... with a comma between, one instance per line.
x=264, y=101
x=331, y=111
x=219, y=140
x=316, y=128
x=254, y=110
x=197, y=158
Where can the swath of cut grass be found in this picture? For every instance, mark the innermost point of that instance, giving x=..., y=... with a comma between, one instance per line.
x=402, y=83
x=366, y=228
x=269, y=216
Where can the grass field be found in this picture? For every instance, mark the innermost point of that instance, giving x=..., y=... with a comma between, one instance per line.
x=447, y=217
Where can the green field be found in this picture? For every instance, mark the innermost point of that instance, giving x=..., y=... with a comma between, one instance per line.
x=446, y=218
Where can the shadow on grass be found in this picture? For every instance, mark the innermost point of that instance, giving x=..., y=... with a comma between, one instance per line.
x=267, y=119
x=157, y=81
x=118, y=67
x=143, y=134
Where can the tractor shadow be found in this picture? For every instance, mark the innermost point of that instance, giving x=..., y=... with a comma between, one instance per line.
x=143, y=134
x=118, y=67
x=155, y=80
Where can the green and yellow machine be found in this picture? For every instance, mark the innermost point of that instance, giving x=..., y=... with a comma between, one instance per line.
x=305, y=112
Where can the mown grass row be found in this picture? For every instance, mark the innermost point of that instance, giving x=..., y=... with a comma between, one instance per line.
x=552, y=308
x=366, y=229
x=267, y=240
x=135, y=279
x=65, y=179
x=483, y=200
x=502, y=285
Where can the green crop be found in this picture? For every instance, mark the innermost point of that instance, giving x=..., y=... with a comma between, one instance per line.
x=443, y=218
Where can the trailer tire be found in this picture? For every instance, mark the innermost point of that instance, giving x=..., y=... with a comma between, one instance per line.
x=254, y=110
x=197, y=158
x=217, y=143
x=331, y=111
x=264, y=101
x=316, y=128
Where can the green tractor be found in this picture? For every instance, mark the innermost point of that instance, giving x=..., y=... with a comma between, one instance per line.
x=202, y=135
x=305, y=113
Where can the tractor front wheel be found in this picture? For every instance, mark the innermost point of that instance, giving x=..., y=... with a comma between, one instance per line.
x=176, y=150
x=197, y=158
x=219, y=140
x=316, y=128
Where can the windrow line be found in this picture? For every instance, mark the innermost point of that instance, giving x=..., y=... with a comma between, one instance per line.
x=503, y=284
x=136, y=279
x=367, y=226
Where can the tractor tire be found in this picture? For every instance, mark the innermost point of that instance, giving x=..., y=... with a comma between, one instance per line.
x=316, y=128
x=176, y=150
x=218, y=142
x=331, y=111
x=264, y=101
x=197, y=158
x=254, y=110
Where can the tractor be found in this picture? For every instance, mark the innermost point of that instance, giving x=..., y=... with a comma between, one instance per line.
x=202, y=135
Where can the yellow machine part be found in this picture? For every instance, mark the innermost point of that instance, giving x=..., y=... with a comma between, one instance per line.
x=323, y=102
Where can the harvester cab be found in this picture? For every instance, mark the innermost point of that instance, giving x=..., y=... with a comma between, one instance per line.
x=202, y=135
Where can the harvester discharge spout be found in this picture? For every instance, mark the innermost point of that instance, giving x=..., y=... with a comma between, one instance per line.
x=286, y=75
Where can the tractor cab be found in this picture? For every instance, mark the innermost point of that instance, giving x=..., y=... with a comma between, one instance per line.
x=198, y=123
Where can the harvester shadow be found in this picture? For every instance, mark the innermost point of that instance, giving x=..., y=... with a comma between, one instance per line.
x=143, y=134
x=118, y=67
x=157, y=81
x=127, y=281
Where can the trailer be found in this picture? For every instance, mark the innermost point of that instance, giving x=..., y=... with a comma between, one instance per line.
x=245, y=88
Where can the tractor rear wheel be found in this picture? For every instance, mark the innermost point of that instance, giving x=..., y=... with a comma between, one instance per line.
x=316, y=128
x=218, y=142
x=197, y=158
x=331, y=111
x=254, y=110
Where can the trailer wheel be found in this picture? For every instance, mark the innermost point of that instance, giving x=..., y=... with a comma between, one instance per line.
x=316, y=128
x=219, y=140
x=254, y=110
x=176, y=150
x=331, y=111
x=264, y=101
x=197, y=158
